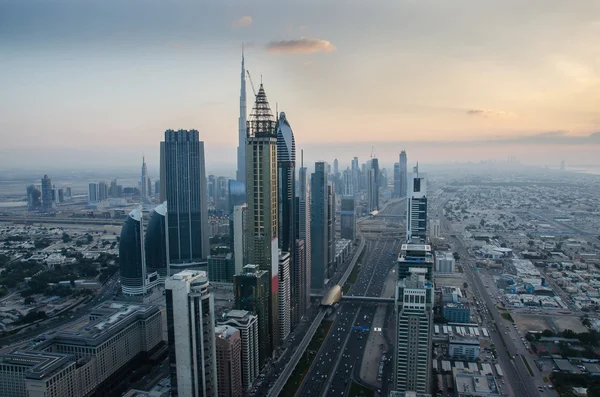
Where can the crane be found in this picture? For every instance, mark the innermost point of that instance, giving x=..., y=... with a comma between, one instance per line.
x=251, y=83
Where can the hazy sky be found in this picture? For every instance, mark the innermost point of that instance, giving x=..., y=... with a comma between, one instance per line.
x=98, y=82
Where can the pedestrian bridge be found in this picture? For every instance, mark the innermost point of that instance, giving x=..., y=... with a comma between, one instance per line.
x=335, y=295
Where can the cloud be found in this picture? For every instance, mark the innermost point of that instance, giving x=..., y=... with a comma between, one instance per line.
x=488, y=113
x=302, y=46
x=243, y=22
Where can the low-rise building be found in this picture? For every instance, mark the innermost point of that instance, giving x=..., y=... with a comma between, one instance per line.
x=462, y=348
x=457, y=312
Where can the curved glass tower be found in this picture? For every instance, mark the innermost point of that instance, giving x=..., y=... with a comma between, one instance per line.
x=155, y=242
x=131, y=254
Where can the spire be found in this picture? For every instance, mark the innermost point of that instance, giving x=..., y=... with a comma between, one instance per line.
x=261, y=120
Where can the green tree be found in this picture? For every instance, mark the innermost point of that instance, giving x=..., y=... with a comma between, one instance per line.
x=29, y=300
x=66, y=238
x=456, y=256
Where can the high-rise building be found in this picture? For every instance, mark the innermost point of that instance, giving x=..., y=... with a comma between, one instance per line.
x=348, y=218
x=434, y=228
x=261, y=195
x=355, y=164
x=156, y=187
x=155, y=243
x=93, y=193
x=336, y=167
x=319, y=231
x=33, y=198
x=397, y=180
x=348, y=183
x=241, y=149
x=237, y=194
x=251, y=292
x=144, y=179
x=415, y=256
x=303, y=231
x=285, y=315
x=163, y=174
x=403, y=173
x=414, y=314
x=149, y=188
x=187, y=211
x=132, y=258
x=102, y=191
x=300, y=281
x=416, y=208
x=247, y=324
x=112, y=190
x=331, y=264
x=229, y=367
x=240, y=248
x=221, y=268
x=373, y=185
x=286, y=203
x=191, y=332
x=46, y=193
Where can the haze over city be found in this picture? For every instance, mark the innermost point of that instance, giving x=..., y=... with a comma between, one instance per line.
x=449, y=81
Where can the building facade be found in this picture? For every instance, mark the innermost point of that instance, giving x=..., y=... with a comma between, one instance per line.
x=191, y=333
x=397, y=180
x=331, y=237
x=47, y=203
x=221, y=268
x=444, y=262
x=348, y=218
x=185, y=189
x=240, y=248
x=155, y=243
x=416, y=208
x=261, y=194
x=403, y=173
x=132, y=255
x=304, y=230
x=229, y=367
x=241, y=149
x=457, y=312
x=247, y=324
x=319, y=232
x=285, y=304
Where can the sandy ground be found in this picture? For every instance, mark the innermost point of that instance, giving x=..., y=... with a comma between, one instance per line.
x=373, y=350
x=572, y=323
x=530, y=323
x=555, y=323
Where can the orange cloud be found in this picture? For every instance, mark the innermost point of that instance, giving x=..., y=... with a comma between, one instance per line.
x=302, y=46
x=243, y=22
x=488, y=113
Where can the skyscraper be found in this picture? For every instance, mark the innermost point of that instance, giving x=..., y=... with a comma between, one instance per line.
x=397, y=181
x=132, y=257
x=403, y=173
x=93, y=193
x=241, y=149
x=286, y=203
x=187, y=211
x=348, y=218
x=155, y=242
x=251, y=292
x=221, y=268
x=336, y=167
x=144, y=190
x=285, y=315
x=412, y=359
x=374, y=185
x=261, y=195
x=319, y=232
x=416, y=208
x=303, y=295
x=163, y=174
x=303, y=230
x=46, y=193
x=240, y=246
x=348, y=183
x=102, y=190
x=229, y=367
x=191, y=332
x=331, y=267
x=247, y=324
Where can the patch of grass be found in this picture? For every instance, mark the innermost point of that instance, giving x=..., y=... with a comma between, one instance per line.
x=527, y=365
x=357, y=390
x=508, y=317
x=295, y=379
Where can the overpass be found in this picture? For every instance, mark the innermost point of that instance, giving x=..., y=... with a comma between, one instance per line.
x=563, y=233
x=335, y=295
x=380, y=215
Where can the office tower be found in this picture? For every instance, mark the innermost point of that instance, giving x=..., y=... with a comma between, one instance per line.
x=397, y=181
x=303, y=229
x=68, y=192
x=163, y=174
x=319, y=231
x=61, y=195
x=373, y=185
x=285, y=315
x=221, y=190
x=240, y=248
x=416, y=208
x=434, y=228
x=156, y=187
x=247, y=324
x=221, y=268
x=33, y=198
x=363, y=177
x=330, y=231
x=355, y=164
x=241, y=149
x=102, y=191
x=236, y=193
x=46, y=193
x=261, y=196
x=412, y=358
x=92, y=193
x=187, y=211
x=144, y=179
x=300, y=282
x=286, y=203
x=336, y=167
x=403, y=173
x=229, y=367
x=251, y=292
x=155, y=243
x=191, y=332
x=149, y=188
x=348, y=219
x=415, y=256
x=132, y=258
x=348, y=183
x=112, y=190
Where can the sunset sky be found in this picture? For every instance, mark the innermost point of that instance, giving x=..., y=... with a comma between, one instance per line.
x=98, y=82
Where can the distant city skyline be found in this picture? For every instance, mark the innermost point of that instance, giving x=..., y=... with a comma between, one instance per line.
x=107, y=84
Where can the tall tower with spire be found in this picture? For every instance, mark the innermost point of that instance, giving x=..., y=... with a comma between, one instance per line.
x=241, y=149
x=261, y=195
x=144, y=185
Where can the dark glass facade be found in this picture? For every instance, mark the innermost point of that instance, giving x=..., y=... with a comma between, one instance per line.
x=319, y=208
x=155, y=242
x=130, y=256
